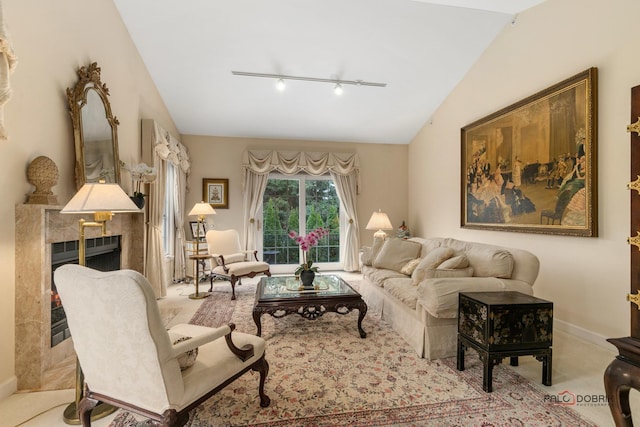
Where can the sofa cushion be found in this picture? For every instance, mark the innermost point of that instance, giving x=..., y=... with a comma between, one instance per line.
x=370, y=253
x=490, y=261
x=395, y=253
x=403, y=290
x=379, y=276
x=430, y=261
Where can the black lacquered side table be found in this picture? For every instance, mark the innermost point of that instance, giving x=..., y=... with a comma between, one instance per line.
x=504, y=324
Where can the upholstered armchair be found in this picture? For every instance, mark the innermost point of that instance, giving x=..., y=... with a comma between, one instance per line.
x=233, y=263
x=131, y=361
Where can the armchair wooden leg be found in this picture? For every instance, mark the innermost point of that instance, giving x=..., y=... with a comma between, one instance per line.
x=233, y=287
x=86, y=406
x=262, y=367
x=172, y=418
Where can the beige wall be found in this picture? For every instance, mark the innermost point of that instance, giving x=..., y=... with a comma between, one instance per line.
x=383, y=175
x=52, y=39
x=587, y=278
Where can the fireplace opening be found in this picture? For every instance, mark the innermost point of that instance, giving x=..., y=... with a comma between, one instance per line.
x=101, y=253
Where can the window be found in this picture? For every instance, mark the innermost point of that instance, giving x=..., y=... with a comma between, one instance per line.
x=301, y=203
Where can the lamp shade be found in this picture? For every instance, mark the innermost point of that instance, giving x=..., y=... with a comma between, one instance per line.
x=379, y=221
x=201, y=209
x=100, y=197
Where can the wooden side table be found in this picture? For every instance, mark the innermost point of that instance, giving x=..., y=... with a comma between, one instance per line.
x=198, y=258
x=504, y=324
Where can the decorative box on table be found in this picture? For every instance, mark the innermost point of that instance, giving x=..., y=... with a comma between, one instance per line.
x=505, y=324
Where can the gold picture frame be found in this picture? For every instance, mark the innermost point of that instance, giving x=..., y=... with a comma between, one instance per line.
x=215, y=191
x=531, y=167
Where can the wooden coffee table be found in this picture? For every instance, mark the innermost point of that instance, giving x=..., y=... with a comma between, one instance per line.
x=284, y=295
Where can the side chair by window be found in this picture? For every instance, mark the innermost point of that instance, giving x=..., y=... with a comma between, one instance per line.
x=131, y=361
x=232, y=262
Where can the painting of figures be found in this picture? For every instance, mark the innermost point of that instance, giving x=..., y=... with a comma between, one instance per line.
x=531, y=167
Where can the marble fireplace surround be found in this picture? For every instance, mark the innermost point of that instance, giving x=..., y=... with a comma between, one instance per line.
x=37, y=227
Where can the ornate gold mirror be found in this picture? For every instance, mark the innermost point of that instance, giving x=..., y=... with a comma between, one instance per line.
x=94, y=128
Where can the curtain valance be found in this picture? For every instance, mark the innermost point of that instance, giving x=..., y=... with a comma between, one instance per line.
x=292, y=162
x=170, y=149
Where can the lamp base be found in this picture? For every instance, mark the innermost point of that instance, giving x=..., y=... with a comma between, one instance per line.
x=101, y=410
x=380, y=235
x=199, y=295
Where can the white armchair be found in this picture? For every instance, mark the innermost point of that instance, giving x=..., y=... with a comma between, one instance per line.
x=233, y=263
x=128, y=357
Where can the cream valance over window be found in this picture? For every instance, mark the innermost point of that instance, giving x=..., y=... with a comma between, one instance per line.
x=343, y=167
x=292, y=162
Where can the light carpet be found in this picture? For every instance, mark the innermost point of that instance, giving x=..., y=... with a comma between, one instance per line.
x=323, y=374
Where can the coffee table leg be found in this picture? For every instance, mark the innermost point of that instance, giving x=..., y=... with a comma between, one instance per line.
x=256, y=319
x=362, y=310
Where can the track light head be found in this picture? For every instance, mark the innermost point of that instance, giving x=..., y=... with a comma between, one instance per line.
x=338, y=89
x=280, y=85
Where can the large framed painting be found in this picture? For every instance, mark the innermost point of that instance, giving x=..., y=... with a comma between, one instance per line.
x=531, y=167
x=215, y=191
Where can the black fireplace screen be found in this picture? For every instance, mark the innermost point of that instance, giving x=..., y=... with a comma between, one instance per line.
x=102, y=253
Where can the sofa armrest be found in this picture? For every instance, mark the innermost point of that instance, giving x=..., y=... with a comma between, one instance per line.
x=439, y=296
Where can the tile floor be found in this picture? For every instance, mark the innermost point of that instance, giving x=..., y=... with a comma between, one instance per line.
x=578, y=367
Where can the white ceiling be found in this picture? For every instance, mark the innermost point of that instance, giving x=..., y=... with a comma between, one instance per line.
x=420, y=48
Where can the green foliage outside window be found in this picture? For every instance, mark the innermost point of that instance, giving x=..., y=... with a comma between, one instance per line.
x=281, y=215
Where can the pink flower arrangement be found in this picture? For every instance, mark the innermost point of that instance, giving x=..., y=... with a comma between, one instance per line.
x=306, y=243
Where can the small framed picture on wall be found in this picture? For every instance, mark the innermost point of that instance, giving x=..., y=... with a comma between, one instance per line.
x=215, y=191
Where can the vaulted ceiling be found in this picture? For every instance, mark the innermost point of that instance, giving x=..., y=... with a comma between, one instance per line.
x=419, y=48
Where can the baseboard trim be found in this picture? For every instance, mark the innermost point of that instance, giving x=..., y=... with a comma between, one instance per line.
x=584, y=334
x=8, y=387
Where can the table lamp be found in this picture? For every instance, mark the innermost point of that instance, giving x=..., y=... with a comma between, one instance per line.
x=102, y=200
x=201, y=210
x=379, y=221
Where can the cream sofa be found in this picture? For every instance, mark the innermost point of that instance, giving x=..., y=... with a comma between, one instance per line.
x=413, y=284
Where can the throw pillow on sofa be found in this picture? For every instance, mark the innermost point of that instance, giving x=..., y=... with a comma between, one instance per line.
x=432, y=260
x=456, y=262
x=457, y=266
x=395, y=253
x=409, y=267
x=370, y=253
x=488, y=261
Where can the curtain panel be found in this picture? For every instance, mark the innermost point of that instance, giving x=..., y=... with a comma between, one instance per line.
x=343, y=167
x=166, y=149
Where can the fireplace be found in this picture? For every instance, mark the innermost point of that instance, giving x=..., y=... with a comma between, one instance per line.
x=42, y=236
x=102, y=253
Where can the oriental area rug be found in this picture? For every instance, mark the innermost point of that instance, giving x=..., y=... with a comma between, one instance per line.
x=323, y=374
